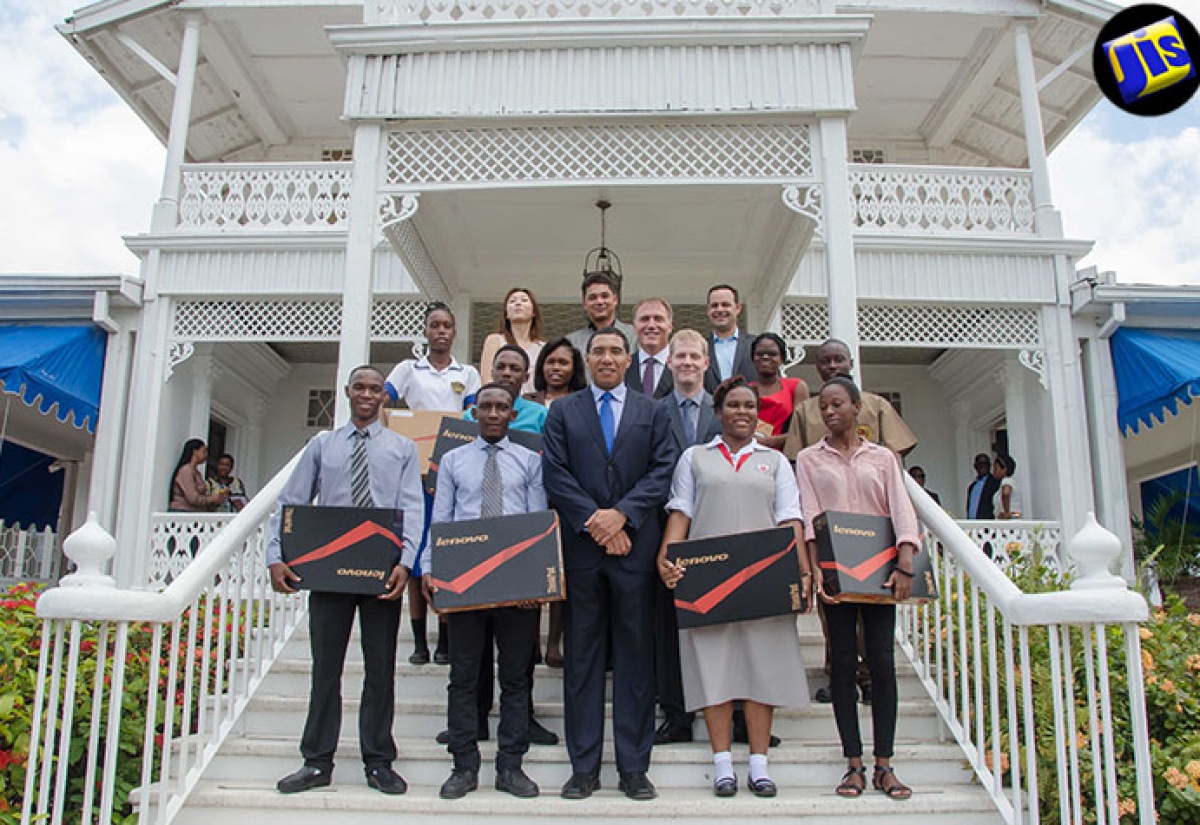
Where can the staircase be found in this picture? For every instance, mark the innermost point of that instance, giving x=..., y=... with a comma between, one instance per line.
x=239, y=785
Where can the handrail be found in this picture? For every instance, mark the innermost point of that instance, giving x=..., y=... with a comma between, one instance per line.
x=140, y=606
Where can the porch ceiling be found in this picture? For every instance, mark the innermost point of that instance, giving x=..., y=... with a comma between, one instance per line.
x=673, y=241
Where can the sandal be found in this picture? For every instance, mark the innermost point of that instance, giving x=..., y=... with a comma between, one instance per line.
x=854, y=782
x=894, y=788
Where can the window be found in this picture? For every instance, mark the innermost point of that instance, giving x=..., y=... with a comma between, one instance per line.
x=867, y=156
x=336, y=155
x=320, y=408
x=893, y=398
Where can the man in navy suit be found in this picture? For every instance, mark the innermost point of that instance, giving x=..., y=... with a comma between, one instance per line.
x=607, y=462
x=653, y=321
x=728, y=346
x=692, y=422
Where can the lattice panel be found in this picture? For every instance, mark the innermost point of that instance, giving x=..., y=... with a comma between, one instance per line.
x=258, y=197
x=610, y=152
x=258, y=320
x=1008, y=541
x=398, y=321
x=893, y=325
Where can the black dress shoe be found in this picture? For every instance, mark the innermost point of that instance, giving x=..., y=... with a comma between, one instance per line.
x=580, y=786
x=725, y=786
x=383, y=778
x=637, y=786
x=762, y=787
x=539, y=735
x=515, y=782
x=742, y=737
x=420, y=656
x=443, y=737
x=304, y=779
x=461, y=782
x=824, y=695
x=669, y=733
x=441, y=657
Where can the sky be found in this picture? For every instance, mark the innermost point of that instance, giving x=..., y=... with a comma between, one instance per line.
x=80, y=170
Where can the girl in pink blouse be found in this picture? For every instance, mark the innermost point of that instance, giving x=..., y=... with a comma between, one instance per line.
x=846, y=473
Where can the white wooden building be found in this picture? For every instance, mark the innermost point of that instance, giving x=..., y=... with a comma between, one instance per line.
x=873, y=170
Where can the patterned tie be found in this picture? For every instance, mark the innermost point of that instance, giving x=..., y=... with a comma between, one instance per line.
x=608, y=424
x=688, y=408
x=360, y=473
x=648, y=377
x=492, y=502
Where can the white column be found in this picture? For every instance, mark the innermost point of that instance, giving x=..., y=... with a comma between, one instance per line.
x=461, y=304
x=355, y=345
x=1069, y=416
x=110, y=426
x=166, y=211
x=968, y=442
x=1013, y=379
x=1046, y=219
x=1112, y=496
x=248, y=462
x=840, y=274
x=204, y=370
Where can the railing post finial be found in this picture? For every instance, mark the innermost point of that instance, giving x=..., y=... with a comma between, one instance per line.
x=1095, y=550
x=90, y=547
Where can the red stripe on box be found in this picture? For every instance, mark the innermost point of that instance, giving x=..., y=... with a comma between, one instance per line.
x=866, y=569
x=473, y=576
x=718, y=594
x=347, y=539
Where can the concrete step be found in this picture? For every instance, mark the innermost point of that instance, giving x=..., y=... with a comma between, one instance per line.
x=229, y=801
x=283, y=716
x=422, y=762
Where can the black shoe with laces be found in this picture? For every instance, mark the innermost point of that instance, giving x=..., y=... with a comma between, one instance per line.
x=539, y=735
x=382, y=778
x=514, y=781
x=460, y=783
x=637, y=786
x=305, y=779
x=580, y=786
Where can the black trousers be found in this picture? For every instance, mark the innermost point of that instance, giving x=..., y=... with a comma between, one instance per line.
x=879, y=631
x=668, y=675
x=471, y=636
x=609, y=597
x=330, y=620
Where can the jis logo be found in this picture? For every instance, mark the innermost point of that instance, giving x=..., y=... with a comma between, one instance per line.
x=1149, y=60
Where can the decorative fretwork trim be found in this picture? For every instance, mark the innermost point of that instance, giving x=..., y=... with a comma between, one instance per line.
x=287, y=320
x=979, y=326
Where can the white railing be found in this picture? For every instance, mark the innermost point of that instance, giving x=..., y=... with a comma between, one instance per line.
x=1006, y=541
x=28, y=555
x=168, y=673
x=940, y=200
x=265, y=197
x=175, y=540
x=1042, y=690
x=446, y=11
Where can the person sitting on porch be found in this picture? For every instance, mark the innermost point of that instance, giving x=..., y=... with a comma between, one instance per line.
x=435, y=381
x=519, y=325
x=224, y=479
x=847, y=473
x=778, y=394
x=189, y=491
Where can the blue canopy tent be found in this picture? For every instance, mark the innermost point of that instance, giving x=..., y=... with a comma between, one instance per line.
x=56, y=369
x=1156, y=369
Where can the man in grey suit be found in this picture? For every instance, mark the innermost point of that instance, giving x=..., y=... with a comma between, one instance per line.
x=653, y=320
x=692, y=422
x=729, y=346
x=607, y=462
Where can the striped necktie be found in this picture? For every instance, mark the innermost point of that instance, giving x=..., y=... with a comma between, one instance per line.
x=492, y=499
x=360, y=473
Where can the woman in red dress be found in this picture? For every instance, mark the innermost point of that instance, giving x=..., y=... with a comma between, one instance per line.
x=778, y=395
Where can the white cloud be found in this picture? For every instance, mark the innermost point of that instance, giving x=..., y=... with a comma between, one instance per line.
x=79, y=168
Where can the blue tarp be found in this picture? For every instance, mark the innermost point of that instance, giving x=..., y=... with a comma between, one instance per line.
x=1155, y=369
x=56, y=369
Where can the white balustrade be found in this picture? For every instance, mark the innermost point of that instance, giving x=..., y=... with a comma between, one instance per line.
x=1015, y=673
x=28, y=554
x=933, y=200
x=176, y=539
x=1019, y=540
x=446, y=11
x=168, y=673
x=265, y=197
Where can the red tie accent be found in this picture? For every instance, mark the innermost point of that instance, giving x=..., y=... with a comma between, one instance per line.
x=718, y=594
x=347, y=539
x=471, y=577
x=729, y=457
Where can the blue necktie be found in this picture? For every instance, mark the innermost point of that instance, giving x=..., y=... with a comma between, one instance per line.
x=608, y=424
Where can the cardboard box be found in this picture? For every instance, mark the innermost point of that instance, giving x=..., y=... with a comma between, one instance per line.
x=455, y=432
x=738, y=577
x=496, y=562
x=341, y=549
x=856, y=554
x=421, y=426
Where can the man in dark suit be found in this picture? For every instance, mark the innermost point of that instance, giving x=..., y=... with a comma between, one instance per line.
x=607, y=464
x=653, y=320
x=728, y=346
x=982, y=489
x=692, y=422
